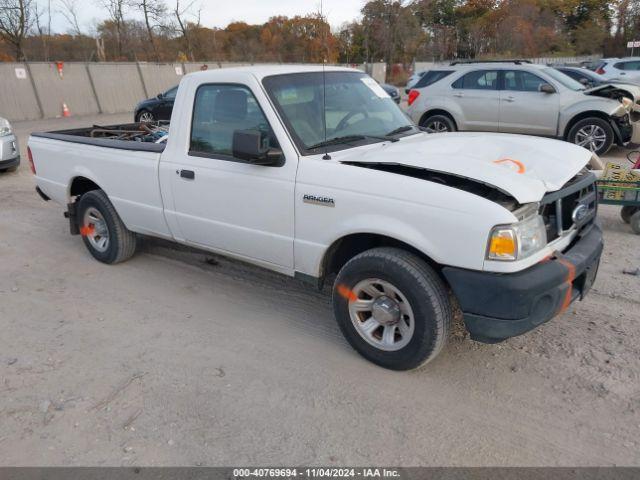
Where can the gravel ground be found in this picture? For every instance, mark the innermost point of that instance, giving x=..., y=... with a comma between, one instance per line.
x=180, y=358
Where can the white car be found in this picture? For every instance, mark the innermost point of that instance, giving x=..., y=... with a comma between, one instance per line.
x=519, y=97
x=413, y=79
x=627, y=69
x=320, y=176
x=9, y=151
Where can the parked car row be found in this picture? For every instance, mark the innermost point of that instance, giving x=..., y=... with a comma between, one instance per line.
x=520, y=97
x=9, y=151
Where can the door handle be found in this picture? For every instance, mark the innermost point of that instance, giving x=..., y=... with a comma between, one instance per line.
x=188, y=174
x=458, y=95
x=510, y=99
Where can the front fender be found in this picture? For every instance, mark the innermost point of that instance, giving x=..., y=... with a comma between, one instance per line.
x=603, y=107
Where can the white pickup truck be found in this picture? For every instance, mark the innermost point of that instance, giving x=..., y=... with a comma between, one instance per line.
x=321, y=176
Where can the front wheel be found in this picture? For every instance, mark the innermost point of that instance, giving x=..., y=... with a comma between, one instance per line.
x=392, y=308
x=595, y=134
x=627, y=211
x=635, y=222
x=102, y=230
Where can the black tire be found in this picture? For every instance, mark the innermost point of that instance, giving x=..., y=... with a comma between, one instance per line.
x=626, y=213
x=122, y=242
x=634, y=221
x=597, y=123
x=424, y=291
x=141, y=112
x=438, y=124
x=8, y=170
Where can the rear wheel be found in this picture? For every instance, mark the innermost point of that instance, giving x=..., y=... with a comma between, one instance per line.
x=438, y=124
x=145, y=116
x=102, y=230
x=592, y=133
x=392, y=308
x=627, y=211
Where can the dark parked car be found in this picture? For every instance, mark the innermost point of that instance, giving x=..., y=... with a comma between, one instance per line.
x=393, y=92
x=584, y=76
x=158, y=108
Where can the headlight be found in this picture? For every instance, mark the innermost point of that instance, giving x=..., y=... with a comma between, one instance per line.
x=518, y=240
x=5, y=127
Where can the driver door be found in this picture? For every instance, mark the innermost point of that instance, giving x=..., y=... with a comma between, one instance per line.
x=524, y=108
x=221, y=202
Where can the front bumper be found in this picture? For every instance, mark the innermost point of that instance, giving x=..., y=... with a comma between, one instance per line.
x=14, y=162
x=623, y=130
x=499, y=306
x=9, y=153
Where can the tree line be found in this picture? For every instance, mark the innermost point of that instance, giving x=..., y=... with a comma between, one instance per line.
x=393, y=31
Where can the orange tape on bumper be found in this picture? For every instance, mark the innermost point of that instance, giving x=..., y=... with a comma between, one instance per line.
x=571, y=276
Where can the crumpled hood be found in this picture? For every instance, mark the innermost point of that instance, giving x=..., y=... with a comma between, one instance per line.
x=524, y=167
x=613, y=90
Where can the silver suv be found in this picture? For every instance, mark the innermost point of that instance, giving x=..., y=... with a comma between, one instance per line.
x=518, y=97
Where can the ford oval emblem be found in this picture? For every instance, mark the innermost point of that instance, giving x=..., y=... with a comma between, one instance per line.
x=579, y=213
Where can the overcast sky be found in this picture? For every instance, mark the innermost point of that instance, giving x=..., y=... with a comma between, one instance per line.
x=219, y=13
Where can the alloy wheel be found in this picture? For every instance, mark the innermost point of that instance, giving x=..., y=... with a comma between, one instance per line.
x=381, y=314
x=97, y=232
x=592, y=137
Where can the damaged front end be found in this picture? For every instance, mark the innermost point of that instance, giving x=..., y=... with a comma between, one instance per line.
x=469, y=185
x=628, y=112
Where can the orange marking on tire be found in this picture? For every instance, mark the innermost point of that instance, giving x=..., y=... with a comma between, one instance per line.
x=346, y=293
x=517, y=163
x=87, y=230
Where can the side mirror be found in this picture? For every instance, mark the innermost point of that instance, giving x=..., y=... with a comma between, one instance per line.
x=546, y=88
x=253, y=147
x=160, y=96
x=585, y=82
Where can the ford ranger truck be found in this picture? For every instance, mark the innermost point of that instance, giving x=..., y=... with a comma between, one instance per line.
x=320, y=176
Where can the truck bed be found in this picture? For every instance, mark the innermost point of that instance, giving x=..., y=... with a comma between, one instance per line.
x=141, y=136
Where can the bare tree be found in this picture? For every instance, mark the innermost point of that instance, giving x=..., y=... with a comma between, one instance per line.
x=181, y=15
x=16, y=19
x=154, y=11
x=69, y=10
x=115, y=9
x=42, y=33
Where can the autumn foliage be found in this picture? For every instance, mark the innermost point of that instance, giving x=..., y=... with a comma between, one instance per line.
x=392, y=31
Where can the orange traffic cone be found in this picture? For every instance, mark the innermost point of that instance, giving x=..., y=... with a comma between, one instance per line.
x=65, y=110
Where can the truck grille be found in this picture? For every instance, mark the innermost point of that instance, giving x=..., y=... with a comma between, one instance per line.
x=574, y=205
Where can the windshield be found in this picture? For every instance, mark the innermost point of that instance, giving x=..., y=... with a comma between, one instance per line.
x=357, y=109
x=564, y=79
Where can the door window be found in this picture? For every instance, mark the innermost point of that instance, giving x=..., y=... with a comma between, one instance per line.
x=219, y=111
x=521, y=81
x=627, y=66
x=480, y=80
x=432, y=77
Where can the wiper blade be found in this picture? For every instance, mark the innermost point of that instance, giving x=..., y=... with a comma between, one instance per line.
x=337, y=141
x=398, y=130
x=348, y=139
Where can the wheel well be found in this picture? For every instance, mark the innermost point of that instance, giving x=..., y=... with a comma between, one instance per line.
x=82, y=185
x=582, y=116
x=344, y=249
x=431, y=113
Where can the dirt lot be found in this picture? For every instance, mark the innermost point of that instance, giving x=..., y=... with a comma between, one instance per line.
x=171, y=360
